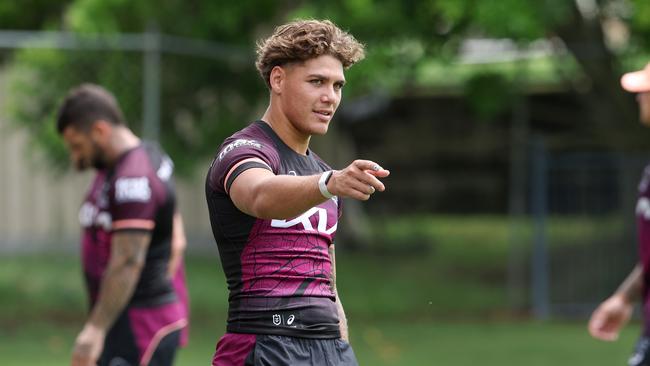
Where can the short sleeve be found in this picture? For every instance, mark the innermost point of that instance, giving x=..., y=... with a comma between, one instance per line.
x=133, y=203
x=237, y=155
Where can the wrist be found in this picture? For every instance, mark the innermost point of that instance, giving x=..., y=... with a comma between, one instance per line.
x=94, y=328
x=322, y=184
x=623, y=298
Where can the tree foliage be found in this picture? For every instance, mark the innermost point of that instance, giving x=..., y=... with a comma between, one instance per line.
x=204, y=99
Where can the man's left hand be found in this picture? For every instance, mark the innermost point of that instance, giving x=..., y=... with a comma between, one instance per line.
x=88, y=346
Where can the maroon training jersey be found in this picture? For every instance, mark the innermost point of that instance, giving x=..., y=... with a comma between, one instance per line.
x=136, y=194
x=278, y=271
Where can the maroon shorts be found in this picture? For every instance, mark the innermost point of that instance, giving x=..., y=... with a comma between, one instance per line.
x=235, y=349
x=144, y=336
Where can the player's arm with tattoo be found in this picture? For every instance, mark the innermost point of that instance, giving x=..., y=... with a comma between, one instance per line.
x=632, y=286
x=343, y=321
x=179, y=243
x=128, y=255
x=613, y=313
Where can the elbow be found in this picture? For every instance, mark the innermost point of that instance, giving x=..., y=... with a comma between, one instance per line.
x=266, y=211
x=264, y=206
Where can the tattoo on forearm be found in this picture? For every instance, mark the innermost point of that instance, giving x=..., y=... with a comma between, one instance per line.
x=632, y=286
x=128, y=254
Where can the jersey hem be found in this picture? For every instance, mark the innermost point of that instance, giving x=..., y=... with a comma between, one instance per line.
x=289, y=332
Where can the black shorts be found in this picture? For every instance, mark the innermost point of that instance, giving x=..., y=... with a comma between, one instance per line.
x=143, y=336
x=641, y=355
x=236, y=349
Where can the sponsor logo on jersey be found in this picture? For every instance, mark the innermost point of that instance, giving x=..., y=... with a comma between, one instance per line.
x=238, y=143
x=643, y=208
x=89, y=215
x=290, y=319
x=304, y=220
x=166, y=169
x=132, y=189
x=645, y=179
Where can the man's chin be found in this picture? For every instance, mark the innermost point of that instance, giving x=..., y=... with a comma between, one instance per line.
x=320, y=130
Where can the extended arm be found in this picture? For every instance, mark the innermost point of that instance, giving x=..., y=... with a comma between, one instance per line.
x=260, y=193
x=128, y=254
x=613, y=313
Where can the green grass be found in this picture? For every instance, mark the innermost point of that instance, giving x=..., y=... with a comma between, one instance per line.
x=379, y=343
x=432, y=294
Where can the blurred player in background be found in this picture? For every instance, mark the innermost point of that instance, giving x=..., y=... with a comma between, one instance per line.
x=610, y=317
x=129, y=222
x=274, y=207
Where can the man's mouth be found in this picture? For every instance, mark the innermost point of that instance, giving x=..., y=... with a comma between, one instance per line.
x=324, y=112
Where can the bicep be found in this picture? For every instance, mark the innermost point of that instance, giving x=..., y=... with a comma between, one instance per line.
x=129, y=247
x=244, y=189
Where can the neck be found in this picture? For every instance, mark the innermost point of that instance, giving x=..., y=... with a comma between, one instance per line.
x=296, y=140
x=121, y=141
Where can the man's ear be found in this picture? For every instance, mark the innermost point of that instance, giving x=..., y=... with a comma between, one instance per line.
x=100, y=130
x=278, y=74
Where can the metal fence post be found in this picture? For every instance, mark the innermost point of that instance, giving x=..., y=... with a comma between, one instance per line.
x=539, y=260
x=151, y=89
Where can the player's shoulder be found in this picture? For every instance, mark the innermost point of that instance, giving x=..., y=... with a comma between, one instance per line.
x=252, y=137
x=135, y=162
x=134, y=178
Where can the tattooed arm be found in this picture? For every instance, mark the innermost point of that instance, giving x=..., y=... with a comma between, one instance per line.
x=128, y=254
x=612, y=314
x=343, y=321
x=179, y=243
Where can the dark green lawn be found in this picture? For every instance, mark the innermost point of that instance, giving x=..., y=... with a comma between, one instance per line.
x=433, y=297
x=378, y=343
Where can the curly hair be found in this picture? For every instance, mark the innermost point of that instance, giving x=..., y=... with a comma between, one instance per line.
x=302, y=40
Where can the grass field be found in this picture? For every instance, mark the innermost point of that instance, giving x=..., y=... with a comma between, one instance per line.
x=440, y=304
x=388, y=342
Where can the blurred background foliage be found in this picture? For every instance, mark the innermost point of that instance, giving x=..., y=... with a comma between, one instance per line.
x=414, y=48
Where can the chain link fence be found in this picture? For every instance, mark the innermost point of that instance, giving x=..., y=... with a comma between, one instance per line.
x=584, y=236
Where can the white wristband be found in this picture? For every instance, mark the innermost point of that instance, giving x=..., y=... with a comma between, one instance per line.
x=322, y=184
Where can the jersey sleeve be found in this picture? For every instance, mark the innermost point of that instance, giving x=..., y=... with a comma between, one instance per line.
x=133, y=203
x=237, y=156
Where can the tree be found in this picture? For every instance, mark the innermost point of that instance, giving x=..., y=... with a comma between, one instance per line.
x=202, y=100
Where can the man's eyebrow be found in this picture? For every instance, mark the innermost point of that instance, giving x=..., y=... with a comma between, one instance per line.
x=321, y=76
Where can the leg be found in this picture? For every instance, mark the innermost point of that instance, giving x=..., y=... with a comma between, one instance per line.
x=641, y=355
x=166, y=350
x=119, y=347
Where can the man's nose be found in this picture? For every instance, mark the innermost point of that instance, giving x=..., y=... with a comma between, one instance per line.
x=329, y=96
